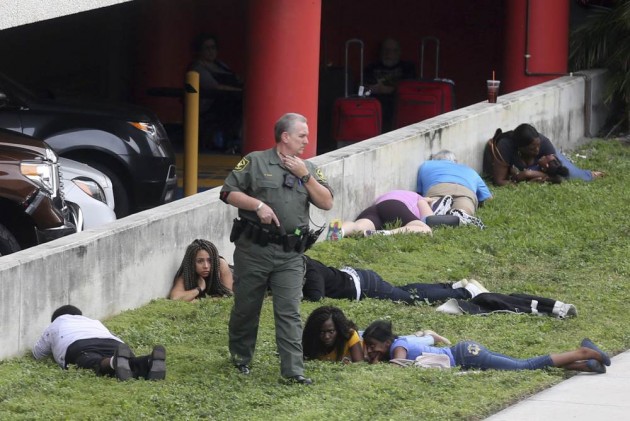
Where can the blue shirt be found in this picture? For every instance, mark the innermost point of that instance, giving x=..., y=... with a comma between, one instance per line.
x=416, y=345
x=443, y=171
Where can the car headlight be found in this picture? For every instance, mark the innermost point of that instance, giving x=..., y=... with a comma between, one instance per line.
x=152, y=135
x=91, y=188
x=41, y=173
x=145, y=127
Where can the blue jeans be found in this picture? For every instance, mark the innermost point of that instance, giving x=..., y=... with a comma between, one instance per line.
x=469, y=354
x=373, y=286
x=574, y=171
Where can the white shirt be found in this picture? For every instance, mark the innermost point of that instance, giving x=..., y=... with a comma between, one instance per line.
x=66, y=330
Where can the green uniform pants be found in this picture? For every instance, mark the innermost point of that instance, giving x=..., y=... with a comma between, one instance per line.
x=256, y=267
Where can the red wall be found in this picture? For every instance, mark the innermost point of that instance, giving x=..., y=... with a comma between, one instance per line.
x=470, y=33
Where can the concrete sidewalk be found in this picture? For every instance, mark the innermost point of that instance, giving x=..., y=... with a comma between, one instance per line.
x=582, y=397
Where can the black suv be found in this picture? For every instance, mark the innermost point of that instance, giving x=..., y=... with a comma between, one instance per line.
x=32, y=209
x=128, y=144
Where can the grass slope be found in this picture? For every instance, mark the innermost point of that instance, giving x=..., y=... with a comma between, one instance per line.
x=567, y=241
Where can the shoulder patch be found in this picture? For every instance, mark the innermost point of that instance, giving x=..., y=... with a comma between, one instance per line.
x=242, y=164
x=320, y=175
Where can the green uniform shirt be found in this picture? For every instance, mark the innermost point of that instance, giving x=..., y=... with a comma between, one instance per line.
x=261, y=175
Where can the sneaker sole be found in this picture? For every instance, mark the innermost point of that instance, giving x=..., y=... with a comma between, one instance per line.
x=122, y=356
x=158, y=364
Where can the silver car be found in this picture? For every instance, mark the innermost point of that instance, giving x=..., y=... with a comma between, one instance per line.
x=89, y=192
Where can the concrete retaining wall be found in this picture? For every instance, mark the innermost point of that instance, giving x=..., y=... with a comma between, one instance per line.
x=133, y=260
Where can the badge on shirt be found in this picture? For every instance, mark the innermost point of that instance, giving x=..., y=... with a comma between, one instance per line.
x=242, y=164
x=320, y=175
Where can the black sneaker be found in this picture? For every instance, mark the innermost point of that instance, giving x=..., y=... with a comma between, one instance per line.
x=465, y=219
x=121, y=362
x=442, y=205
x=243, y=369
x=299, y=379
x=157, y=371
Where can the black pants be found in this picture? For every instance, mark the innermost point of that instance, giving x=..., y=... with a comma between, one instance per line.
x=88, y=353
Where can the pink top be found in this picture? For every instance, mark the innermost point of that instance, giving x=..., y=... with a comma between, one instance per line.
x=409, y=198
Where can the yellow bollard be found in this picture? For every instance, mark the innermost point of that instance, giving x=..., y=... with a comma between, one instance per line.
x=191, y=134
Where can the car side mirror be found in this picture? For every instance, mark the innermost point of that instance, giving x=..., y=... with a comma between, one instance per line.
x=3, y=100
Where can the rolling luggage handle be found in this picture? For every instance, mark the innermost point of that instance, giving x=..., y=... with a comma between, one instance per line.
x=436, y=41
x=346, y=71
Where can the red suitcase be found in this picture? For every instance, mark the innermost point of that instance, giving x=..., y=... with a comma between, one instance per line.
x=356, y=118
x=417, y=100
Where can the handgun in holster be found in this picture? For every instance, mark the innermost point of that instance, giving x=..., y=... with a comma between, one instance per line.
x=237, y=230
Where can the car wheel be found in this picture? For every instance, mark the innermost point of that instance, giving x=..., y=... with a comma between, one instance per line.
x=121, y=197
x=8, y=243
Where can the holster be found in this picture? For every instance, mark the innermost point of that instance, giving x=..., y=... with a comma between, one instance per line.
x=237, y=229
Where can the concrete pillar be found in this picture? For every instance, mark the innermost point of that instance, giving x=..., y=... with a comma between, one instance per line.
x=283, y=68
x=536, y=42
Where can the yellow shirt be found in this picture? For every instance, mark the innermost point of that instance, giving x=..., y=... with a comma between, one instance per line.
x=332, y=356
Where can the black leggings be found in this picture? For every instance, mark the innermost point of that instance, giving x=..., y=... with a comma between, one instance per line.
x=388, y=212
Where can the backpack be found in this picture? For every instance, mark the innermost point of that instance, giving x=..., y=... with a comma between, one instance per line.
x=491, y=152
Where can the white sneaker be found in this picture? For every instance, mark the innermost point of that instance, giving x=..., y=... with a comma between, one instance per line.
x=465, y=219
x=442, y=205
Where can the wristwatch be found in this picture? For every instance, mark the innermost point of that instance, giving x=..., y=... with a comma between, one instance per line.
x=305, y=178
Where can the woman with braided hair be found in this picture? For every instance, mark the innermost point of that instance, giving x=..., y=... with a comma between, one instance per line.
x=329, y=336
x=202, y=272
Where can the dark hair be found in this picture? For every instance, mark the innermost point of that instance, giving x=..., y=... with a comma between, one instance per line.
x=380, y=330
x=200, y=39
x=67, y=309
x=189, y=274
x=311, y=343
x=525, y=134
x=557, y=169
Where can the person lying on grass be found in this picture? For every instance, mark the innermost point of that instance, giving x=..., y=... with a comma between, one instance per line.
x=464, y=296
x=329, y=336
x=72, y=338
x=202, y=273
x=356, y=284
x=382, y=344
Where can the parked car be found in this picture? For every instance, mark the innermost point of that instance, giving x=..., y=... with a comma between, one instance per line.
x=32, y=207
x=90, y=190
x=126, y=143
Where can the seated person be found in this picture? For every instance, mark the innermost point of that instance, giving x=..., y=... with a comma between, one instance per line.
x=443, y=177
x=355, y=284
x=383, y=345
x=202, y=273
x=221, y=100
x=406, y=206
x=382, y=77
x=329, y=336
x=509, y=155
x=72, y=338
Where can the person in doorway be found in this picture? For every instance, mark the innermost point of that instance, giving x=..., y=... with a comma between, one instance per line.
x=72, y=338
x=382, y=77
x=383, y=345
x=273, y=190
x=221, y=97
x=202, y=273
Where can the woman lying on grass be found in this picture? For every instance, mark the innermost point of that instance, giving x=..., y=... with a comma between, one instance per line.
x=202, y=272
x=382, y=345
x=329, y=336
